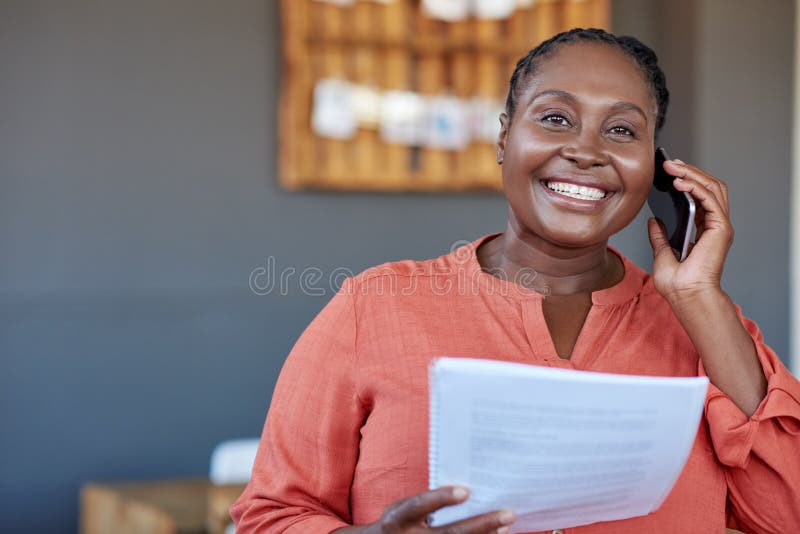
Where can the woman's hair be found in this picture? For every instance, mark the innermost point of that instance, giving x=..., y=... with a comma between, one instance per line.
x=635, y=49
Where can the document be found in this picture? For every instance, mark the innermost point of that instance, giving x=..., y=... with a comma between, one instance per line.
x=561, y=448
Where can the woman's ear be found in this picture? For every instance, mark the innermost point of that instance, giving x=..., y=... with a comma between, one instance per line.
x=501, y=138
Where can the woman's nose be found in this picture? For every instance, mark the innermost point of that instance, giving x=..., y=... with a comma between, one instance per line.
x=584, y=153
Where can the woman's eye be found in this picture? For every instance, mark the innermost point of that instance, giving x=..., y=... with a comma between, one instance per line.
x=622, y=130
x=556, y=119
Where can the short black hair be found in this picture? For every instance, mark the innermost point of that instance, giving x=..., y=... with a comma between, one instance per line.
x=633, y=47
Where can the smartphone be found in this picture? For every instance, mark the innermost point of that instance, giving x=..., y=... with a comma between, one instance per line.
x=674, y=208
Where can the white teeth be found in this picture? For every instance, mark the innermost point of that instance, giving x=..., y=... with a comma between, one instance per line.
x=576, y=191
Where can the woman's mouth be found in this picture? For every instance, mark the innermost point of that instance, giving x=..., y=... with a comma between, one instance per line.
x=581, y=192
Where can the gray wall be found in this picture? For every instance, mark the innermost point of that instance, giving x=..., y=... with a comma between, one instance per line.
x=138, y=191
x=744, y=81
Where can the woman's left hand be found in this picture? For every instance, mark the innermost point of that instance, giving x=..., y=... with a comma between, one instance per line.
x=701, y=271
x=692, y=288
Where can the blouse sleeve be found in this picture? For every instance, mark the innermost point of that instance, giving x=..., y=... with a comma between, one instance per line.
x=307, y=455
x=761, y=453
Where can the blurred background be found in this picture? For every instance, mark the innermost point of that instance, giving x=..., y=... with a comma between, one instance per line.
x=139, y=192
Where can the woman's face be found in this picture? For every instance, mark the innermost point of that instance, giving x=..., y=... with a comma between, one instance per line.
x=578, y=154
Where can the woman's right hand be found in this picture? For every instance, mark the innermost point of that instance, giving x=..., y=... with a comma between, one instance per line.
x=410, y=516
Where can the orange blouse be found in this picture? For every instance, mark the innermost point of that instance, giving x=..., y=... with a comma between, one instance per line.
x=347, y=430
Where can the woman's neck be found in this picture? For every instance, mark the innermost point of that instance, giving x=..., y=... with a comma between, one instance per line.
x=547, y=267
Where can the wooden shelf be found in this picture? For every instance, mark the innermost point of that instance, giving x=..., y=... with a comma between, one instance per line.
x=396, y=46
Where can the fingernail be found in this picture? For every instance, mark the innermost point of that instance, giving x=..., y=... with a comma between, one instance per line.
x=460, y=492
x=506, y=516
x=676, y=179
x=503, y=530
x=678, y=161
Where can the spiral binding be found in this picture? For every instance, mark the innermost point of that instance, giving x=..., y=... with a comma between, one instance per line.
x=433, y=438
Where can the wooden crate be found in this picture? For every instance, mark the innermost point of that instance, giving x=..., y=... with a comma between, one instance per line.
x=161, y=507
x=157, y=507
x=395, y=46
x=220, y=499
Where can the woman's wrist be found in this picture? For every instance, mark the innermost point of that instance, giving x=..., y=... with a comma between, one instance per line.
x=690, y=302
x=729, y=357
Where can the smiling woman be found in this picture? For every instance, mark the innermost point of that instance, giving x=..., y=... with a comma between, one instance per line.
x=345, y=443
x=573, y=125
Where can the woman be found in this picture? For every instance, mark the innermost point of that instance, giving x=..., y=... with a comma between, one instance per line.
x=345, y=442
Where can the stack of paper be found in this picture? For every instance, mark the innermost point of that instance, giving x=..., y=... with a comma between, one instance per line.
x=561, y=448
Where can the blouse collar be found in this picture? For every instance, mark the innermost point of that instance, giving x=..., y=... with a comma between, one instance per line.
x=466, y=258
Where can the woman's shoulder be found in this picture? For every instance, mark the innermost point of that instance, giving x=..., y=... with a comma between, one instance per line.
x=457, y=261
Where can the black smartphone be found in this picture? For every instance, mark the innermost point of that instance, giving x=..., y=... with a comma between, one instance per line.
x=674, y=208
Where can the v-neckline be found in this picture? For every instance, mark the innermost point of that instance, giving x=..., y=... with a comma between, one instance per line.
x=577, y=336
x=541, y=340
x=464, y=259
